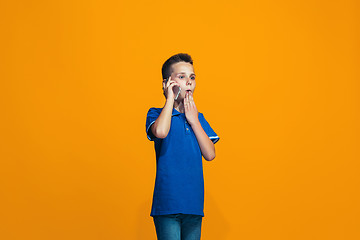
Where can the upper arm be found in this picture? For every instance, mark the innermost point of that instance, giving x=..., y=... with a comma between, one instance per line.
x=208, y=129
x=151, y=117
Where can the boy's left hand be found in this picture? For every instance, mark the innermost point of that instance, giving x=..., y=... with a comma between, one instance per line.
x=191, y=112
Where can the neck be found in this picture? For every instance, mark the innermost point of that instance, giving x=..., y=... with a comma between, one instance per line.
x=179, y=106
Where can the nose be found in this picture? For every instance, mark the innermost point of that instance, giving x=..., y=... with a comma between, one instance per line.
x=188, y=82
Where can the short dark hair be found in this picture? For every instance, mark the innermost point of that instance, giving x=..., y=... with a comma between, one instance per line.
x=180, y=57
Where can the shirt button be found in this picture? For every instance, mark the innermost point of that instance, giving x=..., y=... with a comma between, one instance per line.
x=187, y=129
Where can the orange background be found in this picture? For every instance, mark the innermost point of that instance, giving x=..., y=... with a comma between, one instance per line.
x=277, y=80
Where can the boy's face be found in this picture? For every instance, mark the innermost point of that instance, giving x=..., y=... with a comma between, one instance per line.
x=183, y=74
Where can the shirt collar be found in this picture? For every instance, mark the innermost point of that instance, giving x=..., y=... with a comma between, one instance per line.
x=175, y=112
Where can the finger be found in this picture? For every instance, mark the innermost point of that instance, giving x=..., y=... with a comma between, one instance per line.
x=192, y=105
x=191, y=95
x=186, y=100
x=169, y=79
x=171, y=84
x=189, y=104
x=168, y=83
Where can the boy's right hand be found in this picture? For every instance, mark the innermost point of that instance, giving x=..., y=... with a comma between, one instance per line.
x=168, y=89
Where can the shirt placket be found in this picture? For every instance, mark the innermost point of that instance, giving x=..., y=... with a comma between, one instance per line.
x=187, y=127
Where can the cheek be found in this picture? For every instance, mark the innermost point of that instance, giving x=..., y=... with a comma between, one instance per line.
x=182, y=85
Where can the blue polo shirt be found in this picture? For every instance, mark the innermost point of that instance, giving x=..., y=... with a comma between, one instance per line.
x=179, y=183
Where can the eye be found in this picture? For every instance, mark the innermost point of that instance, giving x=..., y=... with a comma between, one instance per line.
x=181, y=77
x=193, y=78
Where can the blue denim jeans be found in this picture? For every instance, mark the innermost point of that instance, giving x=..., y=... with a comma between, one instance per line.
x=178, y=226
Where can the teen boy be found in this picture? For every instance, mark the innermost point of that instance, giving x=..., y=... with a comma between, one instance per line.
x=181, y=137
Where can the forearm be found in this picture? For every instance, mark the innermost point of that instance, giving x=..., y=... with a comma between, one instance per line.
x=206, y=145
x=161, y=126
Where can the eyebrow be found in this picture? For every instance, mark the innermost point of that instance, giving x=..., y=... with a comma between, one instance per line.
x=185, y=72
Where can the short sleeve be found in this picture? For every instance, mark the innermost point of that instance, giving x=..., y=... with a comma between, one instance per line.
x=208, y=130
x=152, y=115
